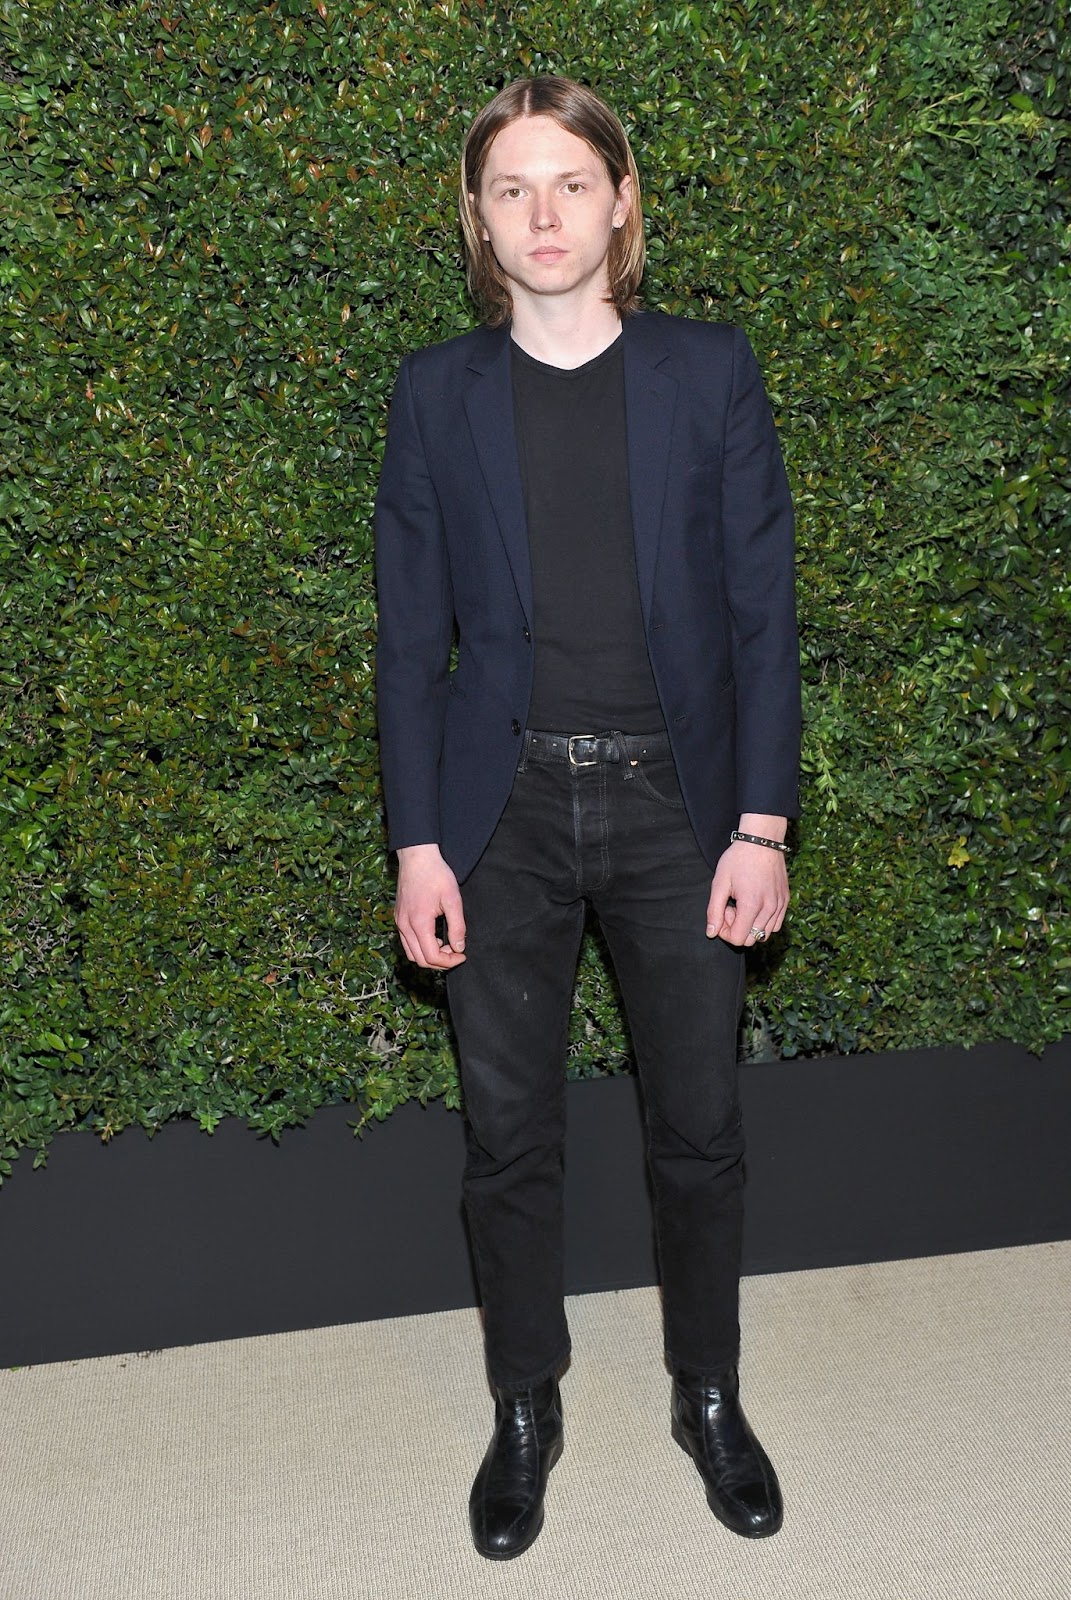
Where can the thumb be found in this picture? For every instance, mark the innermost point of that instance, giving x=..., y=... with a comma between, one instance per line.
x=717, y=907
x=455, y=921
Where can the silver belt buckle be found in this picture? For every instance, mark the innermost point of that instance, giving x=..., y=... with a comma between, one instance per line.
x=573, y=762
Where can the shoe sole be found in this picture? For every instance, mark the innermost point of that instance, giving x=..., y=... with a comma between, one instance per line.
x=742, y=1533
x=511, y=1555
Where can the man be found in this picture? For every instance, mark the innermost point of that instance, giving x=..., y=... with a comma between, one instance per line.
x=588, y=502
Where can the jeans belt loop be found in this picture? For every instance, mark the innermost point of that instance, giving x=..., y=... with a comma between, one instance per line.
x=627, y=763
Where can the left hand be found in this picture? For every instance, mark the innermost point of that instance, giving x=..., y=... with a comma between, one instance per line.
x=757, y=879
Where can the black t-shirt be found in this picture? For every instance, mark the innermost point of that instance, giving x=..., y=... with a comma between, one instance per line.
x=592, y=670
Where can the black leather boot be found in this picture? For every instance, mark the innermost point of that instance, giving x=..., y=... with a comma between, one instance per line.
x=742, y=1488
x=506, y=1503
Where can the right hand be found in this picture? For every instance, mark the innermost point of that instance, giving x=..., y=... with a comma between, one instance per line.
x=427, y=889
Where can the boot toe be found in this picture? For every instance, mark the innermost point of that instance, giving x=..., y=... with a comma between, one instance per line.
x=505, y=1529
x=751, y=1511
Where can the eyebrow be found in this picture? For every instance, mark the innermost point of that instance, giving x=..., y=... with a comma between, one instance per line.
x=520, y=177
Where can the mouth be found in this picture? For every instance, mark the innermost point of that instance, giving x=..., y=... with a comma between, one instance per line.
x=548, y=253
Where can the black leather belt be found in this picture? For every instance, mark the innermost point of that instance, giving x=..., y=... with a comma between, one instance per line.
x=587, y=749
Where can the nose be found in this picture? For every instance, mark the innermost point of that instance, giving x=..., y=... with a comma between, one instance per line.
x=544, y=214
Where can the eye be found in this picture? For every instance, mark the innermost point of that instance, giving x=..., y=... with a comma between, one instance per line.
x=574, y=187
x=511, y=194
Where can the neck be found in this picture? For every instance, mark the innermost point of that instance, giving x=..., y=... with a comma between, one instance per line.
x=561, y=333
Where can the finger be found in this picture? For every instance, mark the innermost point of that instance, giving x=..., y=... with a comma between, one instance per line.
x=782, y=907
x=753, y=924
x=427, y=951
x=435, y=954
x=418, y=953
x=411, y=944
x=741, y=920
x=440, y=956
x=776, y=921
x=766, y=921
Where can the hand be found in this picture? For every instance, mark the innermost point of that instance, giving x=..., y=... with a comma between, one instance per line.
x=427, y=889
x=756, y=878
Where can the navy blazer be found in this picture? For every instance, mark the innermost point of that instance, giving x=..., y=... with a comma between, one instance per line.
x=713, y=528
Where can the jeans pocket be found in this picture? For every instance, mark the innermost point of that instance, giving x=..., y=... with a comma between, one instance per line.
x=658, y=780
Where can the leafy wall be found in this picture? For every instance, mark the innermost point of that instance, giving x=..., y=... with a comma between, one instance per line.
x=225, y=224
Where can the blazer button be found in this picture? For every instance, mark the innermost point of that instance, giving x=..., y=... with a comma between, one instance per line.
x=527, y=636
x=515, y=726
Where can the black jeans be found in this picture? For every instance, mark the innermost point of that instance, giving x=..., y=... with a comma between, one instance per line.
x=616, y=835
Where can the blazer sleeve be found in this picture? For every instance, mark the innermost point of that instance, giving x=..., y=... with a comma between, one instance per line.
x=415, y=626
x=759, y=566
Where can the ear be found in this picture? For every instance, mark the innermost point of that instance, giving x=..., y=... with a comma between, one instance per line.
x=623, y=203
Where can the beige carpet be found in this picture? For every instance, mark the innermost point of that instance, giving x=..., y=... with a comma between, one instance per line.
x=917, y=1411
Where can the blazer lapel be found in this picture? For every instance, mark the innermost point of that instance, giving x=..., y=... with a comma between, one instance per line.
x=489, y=407
x=650, y=401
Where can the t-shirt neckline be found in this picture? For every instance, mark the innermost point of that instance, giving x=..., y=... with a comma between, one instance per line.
x=566, y=372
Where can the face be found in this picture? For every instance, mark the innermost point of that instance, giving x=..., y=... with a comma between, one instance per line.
x=548, y=207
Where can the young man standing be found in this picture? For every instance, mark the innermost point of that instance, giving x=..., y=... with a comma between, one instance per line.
x=589, y=501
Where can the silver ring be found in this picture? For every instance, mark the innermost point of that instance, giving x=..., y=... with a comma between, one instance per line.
x=758, y=934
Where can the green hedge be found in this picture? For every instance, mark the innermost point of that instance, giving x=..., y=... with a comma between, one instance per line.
x=225, y=224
